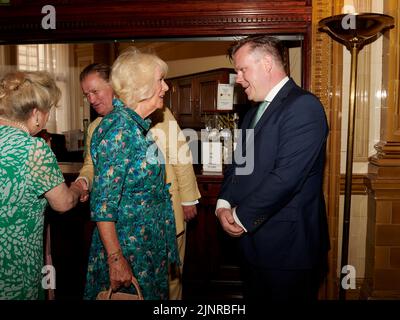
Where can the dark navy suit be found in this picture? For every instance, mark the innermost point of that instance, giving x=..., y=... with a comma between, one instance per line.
x=281, y=202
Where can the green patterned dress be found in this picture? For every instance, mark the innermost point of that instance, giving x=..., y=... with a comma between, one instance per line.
x=28, y=169
x=129, y=189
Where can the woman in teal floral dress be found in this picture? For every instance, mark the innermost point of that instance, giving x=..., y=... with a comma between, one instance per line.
x=135, y=234
x=29, y=178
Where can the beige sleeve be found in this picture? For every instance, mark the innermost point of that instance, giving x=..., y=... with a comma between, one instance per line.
x=187, y=182
x=172, y=142
x=87, y=170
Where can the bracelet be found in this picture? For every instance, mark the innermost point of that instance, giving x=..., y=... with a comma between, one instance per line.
x=115, y=256
x=113, y=259
x=114, y=253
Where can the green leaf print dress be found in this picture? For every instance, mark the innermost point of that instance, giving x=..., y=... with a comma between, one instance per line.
x=28, y=169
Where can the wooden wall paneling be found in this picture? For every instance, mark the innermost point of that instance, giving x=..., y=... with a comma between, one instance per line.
x=386, y=161
x=9, y=56
x=103, y=52
x=383, y=228
x=112, y=20
x=358, y=184
x=391, y=126
x=326, y=83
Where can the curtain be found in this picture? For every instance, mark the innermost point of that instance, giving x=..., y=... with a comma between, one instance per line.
x=53, y=58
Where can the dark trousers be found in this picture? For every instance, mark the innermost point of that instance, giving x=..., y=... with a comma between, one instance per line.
x=281, y=285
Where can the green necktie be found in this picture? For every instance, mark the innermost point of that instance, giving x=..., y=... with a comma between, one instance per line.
x=261, y=108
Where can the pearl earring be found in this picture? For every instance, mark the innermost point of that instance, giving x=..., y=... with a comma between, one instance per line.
x=37, y=122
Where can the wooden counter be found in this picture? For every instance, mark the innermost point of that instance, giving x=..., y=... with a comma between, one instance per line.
x=70, y=170
x=70, y=167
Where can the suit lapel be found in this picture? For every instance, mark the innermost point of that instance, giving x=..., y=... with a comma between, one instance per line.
x=275, y=104
x=249, y=116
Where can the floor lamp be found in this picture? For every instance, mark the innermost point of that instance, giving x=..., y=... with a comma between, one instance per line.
x=354, y=31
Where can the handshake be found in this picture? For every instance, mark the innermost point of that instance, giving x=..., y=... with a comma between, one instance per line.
x=80, y=189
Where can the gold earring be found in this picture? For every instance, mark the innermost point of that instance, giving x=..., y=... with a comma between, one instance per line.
x=37, y=122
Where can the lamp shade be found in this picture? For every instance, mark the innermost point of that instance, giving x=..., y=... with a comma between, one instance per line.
x=356, y=29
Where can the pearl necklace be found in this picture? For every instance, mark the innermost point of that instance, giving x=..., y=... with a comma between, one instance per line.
x=15, y=124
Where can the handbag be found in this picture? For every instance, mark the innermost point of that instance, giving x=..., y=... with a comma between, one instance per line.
x=110, y=295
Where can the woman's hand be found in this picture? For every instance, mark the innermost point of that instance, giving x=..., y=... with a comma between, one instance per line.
x=120, y=271
x=119, y=268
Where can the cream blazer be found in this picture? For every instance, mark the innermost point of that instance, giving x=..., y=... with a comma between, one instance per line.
x=178, y=161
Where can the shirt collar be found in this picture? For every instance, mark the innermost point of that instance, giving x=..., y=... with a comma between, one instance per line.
x=274, y=91
x=144, y=123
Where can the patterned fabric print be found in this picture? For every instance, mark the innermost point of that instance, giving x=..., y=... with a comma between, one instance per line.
x=129, y=189
x=28, y=169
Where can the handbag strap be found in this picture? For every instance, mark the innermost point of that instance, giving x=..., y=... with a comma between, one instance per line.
x=135, y=284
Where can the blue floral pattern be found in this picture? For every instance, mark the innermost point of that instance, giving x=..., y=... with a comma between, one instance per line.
x=129, y=189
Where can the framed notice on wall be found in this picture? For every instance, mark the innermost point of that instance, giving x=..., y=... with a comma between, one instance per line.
x=225, y=97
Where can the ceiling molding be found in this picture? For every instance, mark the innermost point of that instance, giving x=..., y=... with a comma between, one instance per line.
x=118, y=20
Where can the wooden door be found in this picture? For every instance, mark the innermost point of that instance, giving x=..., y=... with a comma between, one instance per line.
x=207, y=86
x=171, y=98
x=186, y=103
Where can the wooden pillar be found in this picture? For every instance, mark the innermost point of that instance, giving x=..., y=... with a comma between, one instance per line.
x=326, y=83
x=382, y=270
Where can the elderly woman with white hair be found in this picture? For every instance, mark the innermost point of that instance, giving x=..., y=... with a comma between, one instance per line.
x=130, y=202
x=30, y=178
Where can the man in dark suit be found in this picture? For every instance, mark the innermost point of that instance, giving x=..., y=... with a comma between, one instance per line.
x=277, y=208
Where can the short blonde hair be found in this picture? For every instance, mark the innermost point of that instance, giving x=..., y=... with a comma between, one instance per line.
x=21, y=92
x=132, y=75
